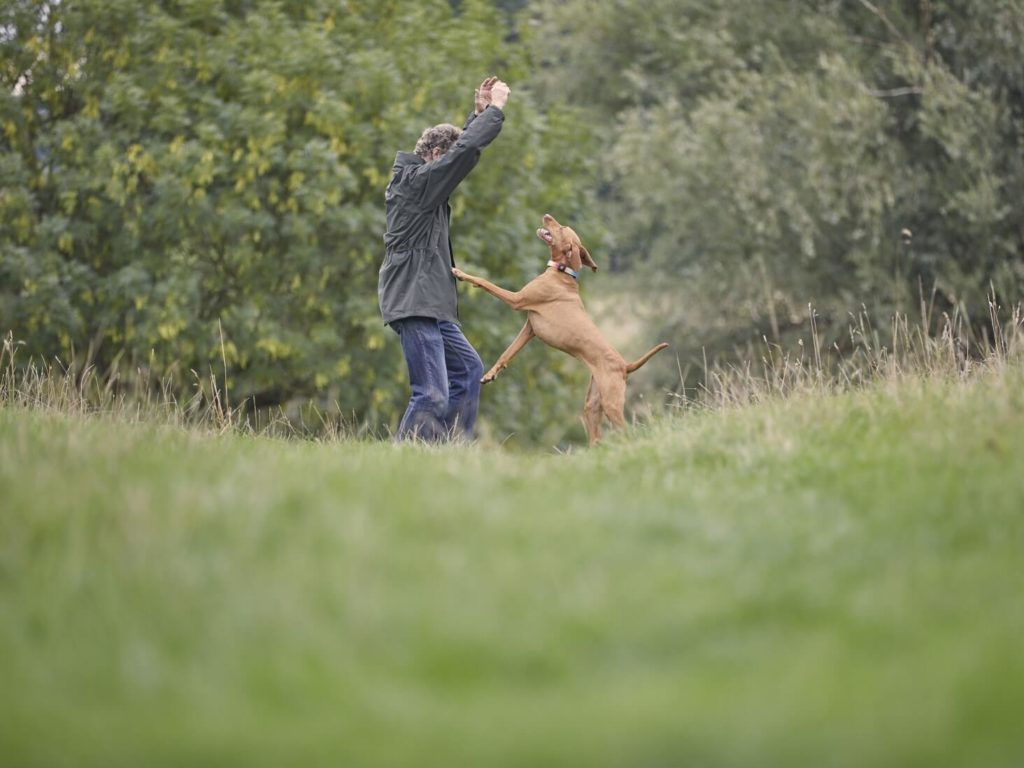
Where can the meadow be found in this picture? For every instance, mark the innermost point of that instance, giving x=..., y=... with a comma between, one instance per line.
x=825, y=578
x=804, y=550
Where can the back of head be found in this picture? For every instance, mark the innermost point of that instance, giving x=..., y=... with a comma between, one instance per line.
x=441, y=137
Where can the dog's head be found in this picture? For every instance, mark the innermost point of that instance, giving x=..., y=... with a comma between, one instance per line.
x=565, y=245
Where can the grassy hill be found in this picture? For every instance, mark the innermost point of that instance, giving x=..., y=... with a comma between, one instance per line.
x=816, y=580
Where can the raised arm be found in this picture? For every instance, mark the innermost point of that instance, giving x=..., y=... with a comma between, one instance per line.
x=443, y=175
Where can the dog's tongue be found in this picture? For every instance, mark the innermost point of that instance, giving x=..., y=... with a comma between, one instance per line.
x=544, y=235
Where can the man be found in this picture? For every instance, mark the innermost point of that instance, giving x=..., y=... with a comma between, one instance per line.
x=416, y=287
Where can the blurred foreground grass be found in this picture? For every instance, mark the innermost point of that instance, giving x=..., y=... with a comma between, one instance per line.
x=820, y=581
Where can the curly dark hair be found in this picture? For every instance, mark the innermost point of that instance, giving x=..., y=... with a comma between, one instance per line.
x=439, y=137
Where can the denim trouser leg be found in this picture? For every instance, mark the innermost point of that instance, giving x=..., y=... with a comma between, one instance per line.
x=464, y=371
x=444, y=372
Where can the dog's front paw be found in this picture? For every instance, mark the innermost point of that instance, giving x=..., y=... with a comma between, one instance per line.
x=488, y=377
x=459, y=274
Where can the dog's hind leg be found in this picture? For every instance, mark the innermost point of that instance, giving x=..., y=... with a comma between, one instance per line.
x=612, y=387
x=513, y=349
x=592, y=412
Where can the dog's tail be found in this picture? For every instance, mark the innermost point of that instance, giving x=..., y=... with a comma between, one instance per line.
x=647, y=356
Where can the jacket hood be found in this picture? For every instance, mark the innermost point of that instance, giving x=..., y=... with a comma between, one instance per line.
x=406, y=159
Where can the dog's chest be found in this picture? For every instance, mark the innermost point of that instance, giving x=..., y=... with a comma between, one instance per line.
x=563, y=324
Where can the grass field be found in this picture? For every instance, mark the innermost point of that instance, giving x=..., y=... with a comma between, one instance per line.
x=815, y=581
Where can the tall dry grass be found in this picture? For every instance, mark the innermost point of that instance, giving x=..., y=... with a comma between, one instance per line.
x=947, y=347
x=68, y=388
x=83, y=390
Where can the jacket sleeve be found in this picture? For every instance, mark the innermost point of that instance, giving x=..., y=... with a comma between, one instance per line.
x=442, y=176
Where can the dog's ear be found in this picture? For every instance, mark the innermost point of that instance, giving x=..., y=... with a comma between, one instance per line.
x=587, y=260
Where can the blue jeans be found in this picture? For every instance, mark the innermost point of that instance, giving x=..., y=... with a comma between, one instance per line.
x=444, y=371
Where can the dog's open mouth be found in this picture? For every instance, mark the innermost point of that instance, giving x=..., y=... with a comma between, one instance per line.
x=545, y=235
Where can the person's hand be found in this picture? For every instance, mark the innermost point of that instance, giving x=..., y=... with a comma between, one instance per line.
x=482, y=95
x=499, y=94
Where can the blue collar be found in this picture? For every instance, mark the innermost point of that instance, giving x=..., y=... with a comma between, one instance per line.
x=562, y=268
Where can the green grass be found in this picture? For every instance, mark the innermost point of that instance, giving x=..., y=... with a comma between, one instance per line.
x=820, y=581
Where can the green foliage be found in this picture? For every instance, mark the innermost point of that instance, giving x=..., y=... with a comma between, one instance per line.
x=194, y=184
x=751, y=586
x=766, y=157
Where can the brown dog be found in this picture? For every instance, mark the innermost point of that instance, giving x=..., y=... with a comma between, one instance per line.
x=555, y=315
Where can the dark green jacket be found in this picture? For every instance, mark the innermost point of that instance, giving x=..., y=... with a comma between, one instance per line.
x=416, y=276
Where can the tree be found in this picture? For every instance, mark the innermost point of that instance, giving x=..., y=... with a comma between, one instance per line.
x=766, y=157
x=196, y=182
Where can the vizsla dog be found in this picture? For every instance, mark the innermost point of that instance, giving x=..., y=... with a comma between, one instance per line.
x=556, y=316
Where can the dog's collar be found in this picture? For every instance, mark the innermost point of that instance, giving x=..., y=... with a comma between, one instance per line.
x=562, y=268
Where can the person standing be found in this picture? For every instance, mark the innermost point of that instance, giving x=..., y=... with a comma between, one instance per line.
x=416, y=288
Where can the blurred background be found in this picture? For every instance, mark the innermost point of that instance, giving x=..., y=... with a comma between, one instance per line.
x=191, y=191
